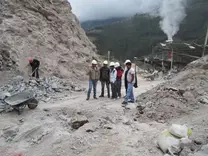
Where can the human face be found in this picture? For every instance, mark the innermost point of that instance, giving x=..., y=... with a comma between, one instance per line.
x=93, y=65
x=111, y=67
x=128, y=65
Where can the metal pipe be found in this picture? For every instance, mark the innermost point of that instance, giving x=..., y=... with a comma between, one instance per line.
x=108, y=56
x=205, y=43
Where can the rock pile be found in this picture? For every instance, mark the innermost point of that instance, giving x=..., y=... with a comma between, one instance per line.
x=44, y=89
x=184, y=93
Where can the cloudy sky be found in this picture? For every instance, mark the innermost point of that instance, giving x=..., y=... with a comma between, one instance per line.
x=102, y=9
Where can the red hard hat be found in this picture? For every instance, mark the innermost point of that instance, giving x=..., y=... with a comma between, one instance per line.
x=30, y=60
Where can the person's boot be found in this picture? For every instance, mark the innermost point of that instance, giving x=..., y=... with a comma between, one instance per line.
x=87, y=98
x=124, y=103
x=101, y=95
x=95, y=98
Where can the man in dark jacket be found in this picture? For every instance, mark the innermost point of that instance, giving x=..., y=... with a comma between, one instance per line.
x=34, y=63
x=105, y=78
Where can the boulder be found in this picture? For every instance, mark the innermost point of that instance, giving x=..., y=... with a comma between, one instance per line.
x=3, y=95
x=78, y=121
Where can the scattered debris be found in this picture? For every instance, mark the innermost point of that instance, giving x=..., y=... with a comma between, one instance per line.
x=44, y=89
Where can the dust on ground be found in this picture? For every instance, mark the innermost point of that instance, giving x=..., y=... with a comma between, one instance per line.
x=110, y=130
x=74, y=126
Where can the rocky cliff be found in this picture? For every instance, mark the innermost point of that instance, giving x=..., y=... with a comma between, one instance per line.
x=46, y=30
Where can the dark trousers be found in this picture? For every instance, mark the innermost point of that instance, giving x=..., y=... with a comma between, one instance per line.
x=118, y=88
x=114, y=90
x=35, y=72
x=126, y=86
x=103, y=83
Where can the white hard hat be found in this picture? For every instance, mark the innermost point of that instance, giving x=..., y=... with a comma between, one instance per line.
x=117, y=64
x=127, y=61
x=112, y=64
x=94, y=62
x=105, y=62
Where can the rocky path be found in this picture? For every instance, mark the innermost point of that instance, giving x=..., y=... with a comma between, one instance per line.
x=110, y=130
x=106, y=128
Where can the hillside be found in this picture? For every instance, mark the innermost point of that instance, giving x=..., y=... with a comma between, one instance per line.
x=46, y=30
x=138, y=35
x=96, y=23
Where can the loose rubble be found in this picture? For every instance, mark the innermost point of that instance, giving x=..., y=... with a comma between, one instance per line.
x=44, y=89
x=179, y=96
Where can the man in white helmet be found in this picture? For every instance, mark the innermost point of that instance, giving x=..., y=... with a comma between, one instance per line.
x=94, y=75
x=113, y=77
x=130, y=80
x=105, y=78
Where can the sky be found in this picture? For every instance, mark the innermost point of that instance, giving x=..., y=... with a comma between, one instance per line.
x=103, y=9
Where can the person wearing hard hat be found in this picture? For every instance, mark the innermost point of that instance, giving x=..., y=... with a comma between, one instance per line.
x=94, y=75
x=130, y=80
x=125, y=75
x=105, y=78
x=34, y=63
x=118, y=79
x=113, y=77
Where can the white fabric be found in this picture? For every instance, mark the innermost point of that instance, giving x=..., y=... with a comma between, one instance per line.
x=129, y=75
x=113, y=76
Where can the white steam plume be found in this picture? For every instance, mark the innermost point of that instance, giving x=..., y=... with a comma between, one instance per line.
x=172, y=13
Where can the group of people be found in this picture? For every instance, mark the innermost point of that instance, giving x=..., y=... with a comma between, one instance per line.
x=111, y=76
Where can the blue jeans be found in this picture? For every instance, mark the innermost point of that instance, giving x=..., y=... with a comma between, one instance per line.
x=130, y=94
x=92, y=84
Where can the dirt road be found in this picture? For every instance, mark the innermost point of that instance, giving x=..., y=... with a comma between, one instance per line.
x=111, y=129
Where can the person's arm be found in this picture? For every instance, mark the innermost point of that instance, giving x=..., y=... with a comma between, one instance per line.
x=115, y=76
x=132, y=75
x=100, y=73
x=108, y=75
x=88, y=72
x=132, y=78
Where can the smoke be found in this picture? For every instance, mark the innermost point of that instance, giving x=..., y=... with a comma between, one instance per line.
x=172, y=13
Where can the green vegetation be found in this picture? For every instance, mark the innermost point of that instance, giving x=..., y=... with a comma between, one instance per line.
x=138, y=35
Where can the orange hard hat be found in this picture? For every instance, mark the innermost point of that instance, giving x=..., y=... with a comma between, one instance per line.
x=30, y=60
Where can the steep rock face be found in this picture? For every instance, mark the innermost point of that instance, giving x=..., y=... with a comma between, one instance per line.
x=46, y=30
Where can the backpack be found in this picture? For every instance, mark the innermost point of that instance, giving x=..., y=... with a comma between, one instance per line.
x=105, y=74
x=135, y=84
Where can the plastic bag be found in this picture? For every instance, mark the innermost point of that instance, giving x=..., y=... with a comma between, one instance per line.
x=166, y=140
x=180, y=131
